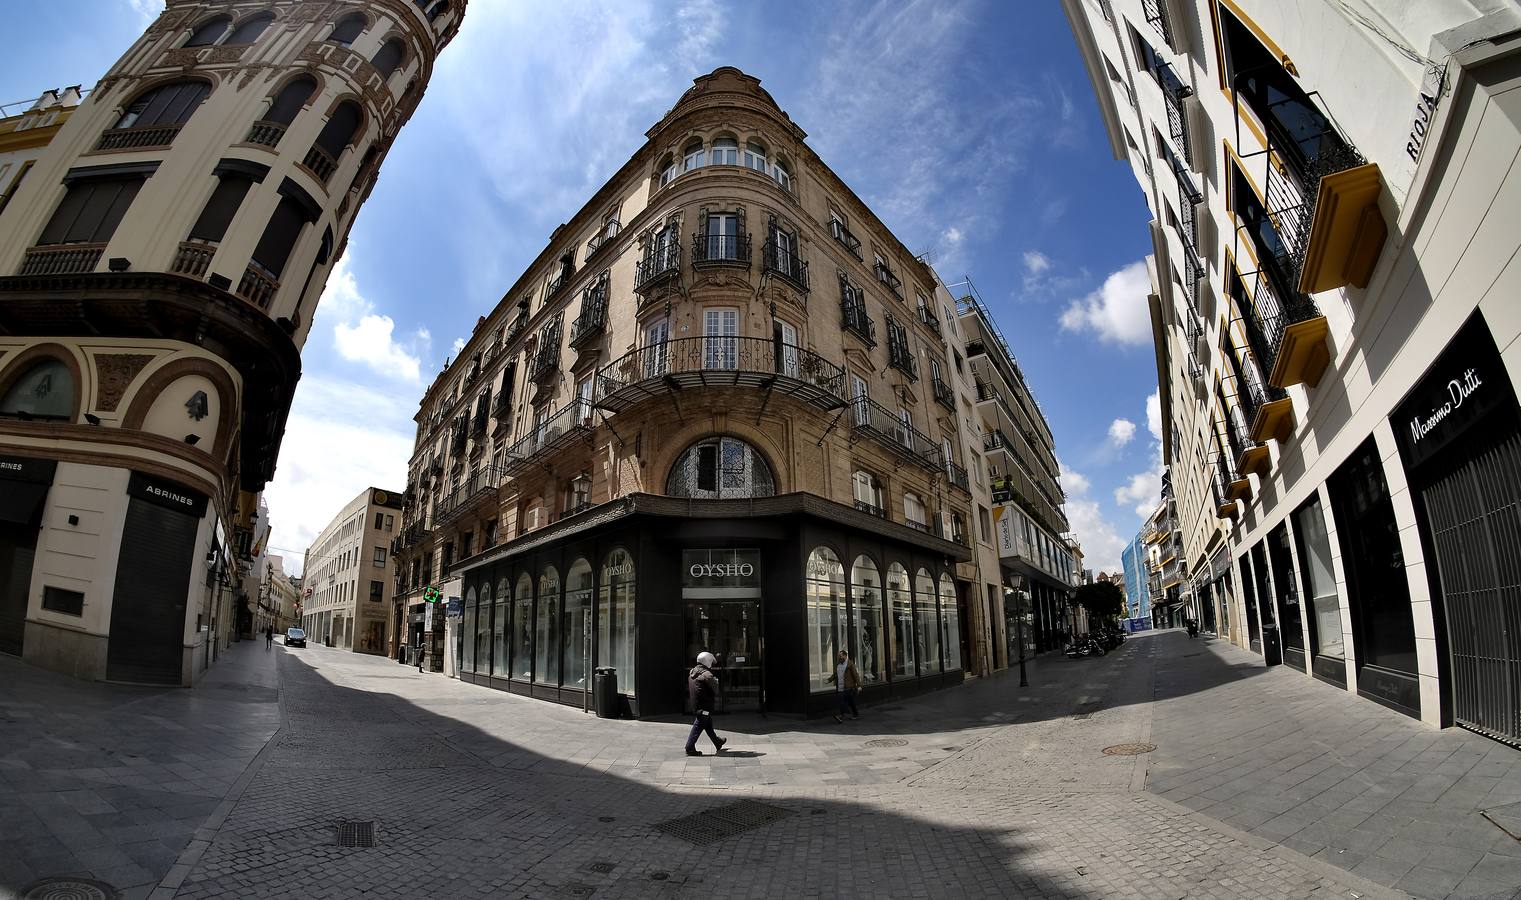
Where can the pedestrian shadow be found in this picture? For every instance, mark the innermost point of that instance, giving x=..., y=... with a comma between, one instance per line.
x=739, y=754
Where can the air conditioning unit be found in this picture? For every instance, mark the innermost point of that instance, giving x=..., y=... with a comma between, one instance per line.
x=1201, y=149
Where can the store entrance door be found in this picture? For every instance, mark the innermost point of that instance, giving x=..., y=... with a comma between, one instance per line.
x=731, y=631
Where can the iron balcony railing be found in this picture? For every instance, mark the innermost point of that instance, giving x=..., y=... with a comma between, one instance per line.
x=1225, y=473
x=546, y=437
x=855, y=320
x=458, y=438
x=720, y=250
x=886, y=276
x=943, y=393
x=871, y=509
x=592, y=320
x=479, y=486
x=957, y=476
x=1174, y=93
x=1156, y=15
x=1237, y=431
x=545, y=363
x=785, y=264
x=842, y=234
x=927, y=317
x=900, y=355
x=603, y=238
x=720, y=362
x=890, y=431
x=1253, y=393
x=559, y=283
x=660, y=264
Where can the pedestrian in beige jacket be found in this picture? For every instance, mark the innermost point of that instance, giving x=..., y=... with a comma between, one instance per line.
x=847, y=680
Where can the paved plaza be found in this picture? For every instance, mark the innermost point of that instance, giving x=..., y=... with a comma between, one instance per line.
x=1263, y=783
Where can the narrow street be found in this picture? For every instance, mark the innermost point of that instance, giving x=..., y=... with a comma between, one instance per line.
x=236, y=788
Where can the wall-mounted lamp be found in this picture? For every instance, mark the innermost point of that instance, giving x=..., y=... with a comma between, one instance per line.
x=119, y=264
x=92, y=418
x=220, y=282
x=192, y=439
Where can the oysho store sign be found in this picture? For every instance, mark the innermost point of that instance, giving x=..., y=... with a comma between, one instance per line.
x=1466, y=381
x=720, y=568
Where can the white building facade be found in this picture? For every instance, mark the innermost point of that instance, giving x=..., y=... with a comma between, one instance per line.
x=347, y=573
x=1335, y=279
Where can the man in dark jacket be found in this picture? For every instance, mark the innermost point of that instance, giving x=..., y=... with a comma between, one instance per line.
x=702, y=689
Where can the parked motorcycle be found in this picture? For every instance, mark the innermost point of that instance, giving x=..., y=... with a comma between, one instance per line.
x=1085, y=646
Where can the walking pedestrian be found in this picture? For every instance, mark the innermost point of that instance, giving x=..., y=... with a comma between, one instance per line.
x=702, y=688
x=269, y=636
x=847, y=680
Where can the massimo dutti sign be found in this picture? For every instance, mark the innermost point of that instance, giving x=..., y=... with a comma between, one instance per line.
x=1467, y=381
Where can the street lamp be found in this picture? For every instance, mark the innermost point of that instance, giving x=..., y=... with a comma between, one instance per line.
x=1019, y=627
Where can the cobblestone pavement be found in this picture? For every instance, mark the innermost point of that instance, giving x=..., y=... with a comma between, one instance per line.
x=988, y=790
x=109, y=781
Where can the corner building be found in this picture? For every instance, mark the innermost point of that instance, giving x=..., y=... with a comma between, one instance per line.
x=160, y=263
x=1336, y=322
x=711, y=415
x=346, y=569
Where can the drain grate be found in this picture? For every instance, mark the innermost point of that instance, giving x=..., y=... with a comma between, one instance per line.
x=713, y=825
x=1135, y=749
x=69, y=889
x=356, y=834
x=887, y=742
x=601, y=867
x=577, y=890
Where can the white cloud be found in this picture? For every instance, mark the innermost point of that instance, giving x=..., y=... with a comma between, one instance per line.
x=1144, y=490
x=147, y=9
x=342, y=436
x=1101, y=542
x=1117, y=312
x=1121, y=432
x=1036, y=262
x=1074, y=483
x=1154, y=414
x=364, y=336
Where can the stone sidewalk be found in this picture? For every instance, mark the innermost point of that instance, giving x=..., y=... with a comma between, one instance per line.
x=109, y=782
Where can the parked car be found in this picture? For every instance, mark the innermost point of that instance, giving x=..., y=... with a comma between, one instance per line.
x=295, y=637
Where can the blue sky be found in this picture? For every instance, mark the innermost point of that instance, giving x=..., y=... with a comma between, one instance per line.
x=969, y=126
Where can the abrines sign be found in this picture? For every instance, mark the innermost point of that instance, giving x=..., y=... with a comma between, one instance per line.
x=1466, y=381
x=167, y=493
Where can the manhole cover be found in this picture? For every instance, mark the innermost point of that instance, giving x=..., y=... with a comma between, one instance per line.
x=577, y=890
x=607, y=818
x=659, y=876
x=601, y=867
x=69, y=889
x=356, y=834
x=720, y=822
x=887, y=742
x=1129, y=749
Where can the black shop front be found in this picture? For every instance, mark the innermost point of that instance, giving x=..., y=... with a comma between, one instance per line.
x=773, y=587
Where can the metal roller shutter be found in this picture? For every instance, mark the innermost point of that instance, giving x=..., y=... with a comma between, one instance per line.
x=152, y=581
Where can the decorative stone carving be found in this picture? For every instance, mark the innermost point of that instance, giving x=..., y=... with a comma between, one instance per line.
x=226, y=54
x=183, y=57
x=114, y=372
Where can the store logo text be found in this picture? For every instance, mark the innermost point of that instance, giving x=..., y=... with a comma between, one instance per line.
x=722, y=570
x=1457, y=392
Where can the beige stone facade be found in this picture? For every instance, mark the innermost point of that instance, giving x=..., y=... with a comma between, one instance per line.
x=159, y=266
x=348, y=570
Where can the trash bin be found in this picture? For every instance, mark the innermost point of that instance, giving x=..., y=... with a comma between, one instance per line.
x=605, y=691
x=1272, y=650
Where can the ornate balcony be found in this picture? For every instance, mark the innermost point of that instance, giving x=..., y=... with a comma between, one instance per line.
x=883, y=426
x=720, y=250
x=559, y=283
x=887, y=277
x=478, y=488
x=545, y=364
x=943, y=394
x=785, y=265
x=658, y=267
x=564, y=427
x=320, y=164
x=592, y=320
x=684, y=364
x=957, y=476
x=901, y=357
x=148, y=137
x=193, y=258
x=1251, y=456
x=265, y=134
x=1224, y=509
x=844, y=236
x=856, y=321
x=927, y=317
x=258, y=285
x=62, y=259
x=602, y=239
x=871, y=509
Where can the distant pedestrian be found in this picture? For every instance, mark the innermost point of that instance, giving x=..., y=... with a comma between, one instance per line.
x=702, y=688
x=847, y=680
x=269, y=636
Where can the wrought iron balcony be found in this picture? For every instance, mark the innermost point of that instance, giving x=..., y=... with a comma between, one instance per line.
x=480, y=487
x=785, y=265
x=927, y=317
x=886, y=276
x=147, y=137
x=603, y=238
x=901, y=357
x=885, y=427
x=1156, y=14
x=1225, y=505
x=546, y=362
x=516, y=329
x=62, y=259
x=871, y=509
x=848, y=240
x=943, y=394
x=720, y=250
x=572, y=422
x=592, y=320
x=1250, y=455
x=1174, y=93
x=719, y=362
x=559, y=283
x=855, y=320
x=957, y=476
x=658, y=267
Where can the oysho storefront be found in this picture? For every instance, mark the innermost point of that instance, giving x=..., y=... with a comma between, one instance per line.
x=773, y=587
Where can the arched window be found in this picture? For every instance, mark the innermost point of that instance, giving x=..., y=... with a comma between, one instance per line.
x=667, y=170
x=720, y=468
x=339, y=131
x=914, y=512
x=290, y=100
x=725, y=152
x=868, y=493
x=210, y=32
x=472, y=615
x=866, y=619
x=249, y=31
x=45, y=391
x=573, y=628
x=824, y=584
x=900, y=606
x=782, y=173
x=167, y=104
x=280, y=236
x=927, y=622
x=950, y=622
x=348, y=28
x=755, y=156
x=499, y=612
x=438, y=9
x=389, y=57
x=546, y=668
x=483, y=632
x=615, y=618
x=522, y=625
x=692, y=156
